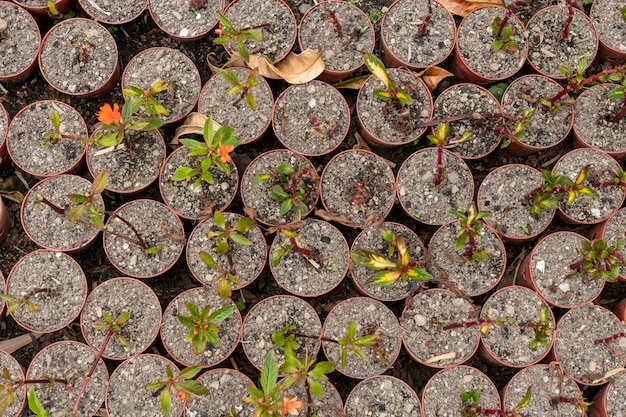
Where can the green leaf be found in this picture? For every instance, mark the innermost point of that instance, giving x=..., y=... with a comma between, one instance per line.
x=123, y=317
x=269, y=373
x=127, y=111
x=498, y=90
x=316, y=389
x=278, y=193
x=196, y=147
x=616, y=93
x=193, y=387
x=186, y=321
x=240, y=239
x=55, y=119
x=132, y=91
x=377, y=68
x=146, y=124
x=285, y=168
x=222, y=314
x=207, y=259
x=166, y=401
x=35, y=405
x=286, y=206
x=219, y=219
x=260, y=178
x=253, y=35
x=251, y=101
x=244, y=224
x=190, y=371
x=228, y=75
x=184, y=173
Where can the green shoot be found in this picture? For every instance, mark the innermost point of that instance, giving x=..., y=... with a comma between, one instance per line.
x=182, y=384
x=203, y=325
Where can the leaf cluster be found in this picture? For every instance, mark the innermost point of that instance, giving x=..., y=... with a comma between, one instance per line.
x=113, y=327
x=389, y=271
x=471, y=225
x=471, y=408
x=88, y=202
x=391, y=93
x=202, y=325
x=212, y=149
x=556, y=188
x=230, y=33
x=503, y=36
x=180, y=383
x=543, y=329
x=306, y=371
x=290, y=186
x=243, y=90
x=521, y=128
x=355, y=343
x=146, y=98
x=600, y=260
x=286, y=338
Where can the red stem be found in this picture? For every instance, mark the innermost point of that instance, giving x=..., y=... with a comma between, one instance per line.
x=610, y=338
x=91, y=372
x=508, y=15
x=621, y=113
x=467, y=324
x=575, y=86
x=422, y=30
x=568, y=22
x=440, y=169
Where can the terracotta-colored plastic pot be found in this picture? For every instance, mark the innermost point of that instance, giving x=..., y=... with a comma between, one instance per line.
x=453, y=374
x=578, y=14
x=527, y=276
x=463, y=72
x=42, y=13
x=14, y=369
x=5, y=222
x=227, y=388
x=73, y=309
x=580, y=141
x=4, y=124
x=35, y=38
x=392, y=60
x=607, y=53
x=141, y=394
x=103, y=16
x=387, y=398
x=286, y=9
x=152, y=56
x=101, y=89
x=171, y=325
x=28, y=202
x=333, y=75
x=183, y=35
x=14, y=137
x=488, y=355
x=126, y=284
x=611, y=230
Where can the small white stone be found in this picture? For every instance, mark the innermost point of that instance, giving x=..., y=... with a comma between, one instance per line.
x=312, y=103
x=420, y=320
x=564, y=287
x=184, y=32
x=541, y=266
x=592, y=366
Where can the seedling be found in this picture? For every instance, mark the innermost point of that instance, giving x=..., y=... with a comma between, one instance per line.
x=15, y=302
x=290, y=186
x=543, y=328
x=228, y=33
x=564, y=35
x=426, y=20
x=196, y=5
x=113, y=329
x=270, y=401
x=389, y=271
x=203, y=325
x=181, y=384
x=360, y=192
x=84, y=49
x=485, y=324
x=243, y=90
x=471, y=224
x=332, y=17
x=286, y=337
x=294, y=246
x=557, y=188
x=599, y=260
x=215, y=150
x=623, y=12
x=441, y=141
x=4, y=35
x=470, y=407
x=88, y=203
x=504, y=35
x=307, y=373
x=146, y=98
x=9, y=386
x=619, y=93
x=222, y=240
x=391, y=94
x=579, y=402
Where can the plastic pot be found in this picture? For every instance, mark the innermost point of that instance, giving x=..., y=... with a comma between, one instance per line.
x=26, y=41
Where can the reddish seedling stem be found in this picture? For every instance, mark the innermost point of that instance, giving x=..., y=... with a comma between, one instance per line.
x=469, y=324
x=305, y=252
x=484, y=411
x=91, y=371
x=316, y=124
x=575, y=86
x=440, y=168
x=427, y=19
x=568, y=22
x=330, y=15
x=508, y=15
x=621, y=113
x=610, y=338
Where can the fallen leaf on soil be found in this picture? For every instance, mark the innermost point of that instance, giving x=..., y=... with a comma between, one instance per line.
x=360, y=143
x=331, y=217
x=15, y=196
x=194, y=124
x=249, y=213
x=465, y=7
x=295, y=68
x=11, y=345
x=449, y=355
x=608, y=375
x=353, y=83
x=432, y=76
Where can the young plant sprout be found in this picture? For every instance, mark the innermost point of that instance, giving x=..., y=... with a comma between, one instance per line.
x=599, y=260
x=294, y=247
x=331, y=16
x=542, y=328
x=112, y=329
x=471, y=225
x=228, y=33
x=484, y=324
x=9, y=386
x=203, y=325
x=557, y=188
x=441, y=141
x=146, y=98
x=270, y=401
x=579, y=402
x=504, y=36
x=223, y=239
x=359, y=192
x=306, y=372
x=470, y=407
x=15, y=302
x=243, y=90
x=181, y=384
x=564, y=35
x=390, y=271
x=286, y=337
x=391, y=94
x=215, y=150
x=290, y=186
x=426, y=20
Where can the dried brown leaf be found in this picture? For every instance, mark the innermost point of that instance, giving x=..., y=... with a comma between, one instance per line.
x=295, y=68
x=249, y=213
x=465, y=7
x=353, y=83
x=360, y=142
x=449, y=355
x=194, y=124
x=331, y=217
x=432, y=76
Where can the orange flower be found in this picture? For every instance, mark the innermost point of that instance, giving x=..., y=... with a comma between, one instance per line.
x=182, y=395
x=224, y=152
x=108, y=115
x=291, y=406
